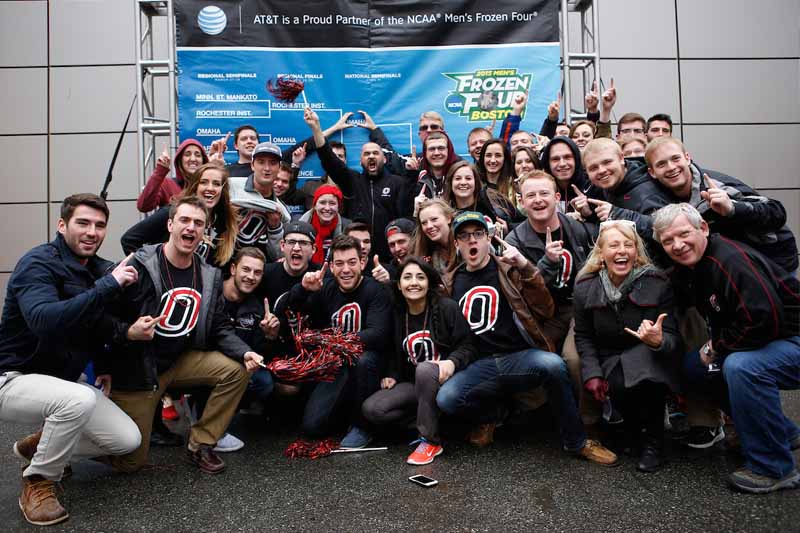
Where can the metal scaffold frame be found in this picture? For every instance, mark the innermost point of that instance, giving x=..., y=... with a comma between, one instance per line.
x=586, y=60
x=152, y=122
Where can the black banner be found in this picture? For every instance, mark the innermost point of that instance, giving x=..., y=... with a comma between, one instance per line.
x=364, y=24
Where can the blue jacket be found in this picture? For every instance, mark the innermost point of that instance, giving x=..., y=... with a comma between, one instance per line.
x=54, y=318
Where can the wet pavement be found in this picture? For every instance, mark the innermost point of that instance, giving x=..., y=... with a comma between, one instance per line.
x=523, y=482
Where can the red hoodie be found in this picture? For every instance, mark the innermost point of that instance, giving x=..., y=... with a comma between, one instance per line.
x=158, y=190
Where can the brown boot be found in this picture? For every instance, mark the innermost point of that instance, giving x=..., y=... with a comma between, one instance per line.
x=25, y=448
x=482, y=435
x=597, y=453
x=39, y=503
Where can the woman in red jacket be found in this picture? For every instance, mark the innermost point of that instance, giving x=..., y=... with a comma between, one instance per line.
x=159, y=189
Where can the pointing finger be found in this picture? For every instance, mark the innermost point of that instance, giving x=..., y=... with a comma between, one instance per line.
x=422, y=190
x=558, y=98
x=549, y=238
x=266, y=308
x=594, y=201
x=413, y=151
x=227, y=138
x=612, y=82
x=594, y=86
x=376, y=261
x=125, y=261
x=577, y=190
x=709, y=182
x=323, y=270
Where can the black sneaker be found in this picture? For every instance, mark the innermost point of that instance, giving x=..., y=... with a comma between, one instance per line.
x=702, y=437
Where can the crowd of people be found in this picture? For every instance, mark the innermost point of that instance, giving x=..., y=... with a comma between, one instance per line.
x=604, y=278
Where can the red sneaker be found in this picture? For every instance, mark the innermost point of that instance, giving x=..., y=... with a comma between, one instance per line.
x=425, y=453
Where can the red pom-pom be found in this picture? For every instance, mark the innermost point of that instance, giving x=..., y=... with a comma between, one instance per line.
x=310, y=449
x=286, y=89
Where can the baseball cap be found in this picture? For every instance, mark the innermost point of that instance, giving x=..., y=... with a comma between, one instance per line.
x=298, y=226
x=400, y=225
x=267, y=148
x=468, y=217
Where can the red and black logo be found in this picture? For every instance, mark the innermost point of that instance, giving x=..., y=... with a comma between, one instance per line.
x=566, y=268
x=480, y=306
x=347, y=318
x=252, y=226
x=180, y=308
x=420, y=348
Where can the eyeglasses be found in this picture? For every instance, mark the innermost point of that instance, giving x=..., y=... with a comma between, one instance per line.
x=465, y=236
x=612, y=223
x=302, y=244
x=631, y=130
x=429, y=127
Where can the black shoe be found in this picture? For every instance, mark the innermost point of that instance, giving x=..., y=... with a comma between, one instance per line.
x=158, y=438
x=702, y=437
x=650, y=460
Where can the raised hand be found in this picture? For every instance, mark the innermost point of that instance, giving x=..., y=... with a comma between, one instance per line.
x=490, y=127
x=144, y=328
x=520, y=101
x=164, y=159
x=311, y=118
x=650, y=332
x=124, y=273
x=218, y=147
x=609, y=97
x=421, y=197
x=511, y=255
x=379, y=273
x=580, y=202
x=299, y=155
x=554, y=109
x=412, y=163
x=270, y=324
x=313, y=281
x=368, y=122
x=592, y=98
x=718, y=200
x=553, y=249
x=342, y=123
x=601, y=208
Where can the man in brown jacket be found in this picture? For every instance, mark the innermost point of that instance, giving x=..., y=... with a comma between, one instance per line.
x=505, y=300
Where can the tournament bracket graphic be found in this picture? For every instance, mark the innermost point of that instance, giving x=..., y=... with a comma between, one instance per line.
x=462, y=69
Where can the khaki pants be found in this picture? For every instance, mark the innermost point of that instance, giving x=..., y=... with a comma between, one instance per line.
x=192, y=369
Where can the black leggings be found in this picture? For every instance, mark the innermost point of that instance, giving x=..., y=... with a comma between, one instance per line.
x=642, y=406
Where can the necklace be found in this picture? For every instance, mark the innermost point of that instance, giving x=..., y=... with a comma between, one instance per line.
x=169, y=284
x=424, y=322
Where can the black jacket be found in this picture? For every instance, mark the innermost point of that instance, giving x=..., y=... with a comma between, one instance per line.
x=375, y=200
x=603, y=343
x=450, y=333
x=746, y=299
x=580, y=236
x=366, y=309
x=579, y=177
x=134, y=363
x=54, y=316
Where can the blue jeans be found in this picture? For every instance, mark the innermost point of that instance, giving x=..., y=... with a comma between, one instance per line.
x=476, y=391
x=359, y=382
x=749, y=391
x=261, y=385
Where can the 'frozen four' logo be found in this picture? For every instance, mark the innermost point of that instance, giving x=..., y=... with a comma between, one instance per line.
x=485, y=94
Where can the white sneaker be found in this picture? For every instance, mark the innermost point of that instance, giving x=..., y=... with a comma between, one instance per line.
x=228, y=443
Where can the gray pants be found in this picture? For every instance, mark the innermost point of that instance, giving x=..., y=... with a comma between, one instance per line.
x=394, y=405
x=79, y=421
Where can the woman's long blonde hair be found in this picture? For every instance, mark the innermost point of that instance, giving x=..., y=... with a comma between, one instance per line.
x=594, y=263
